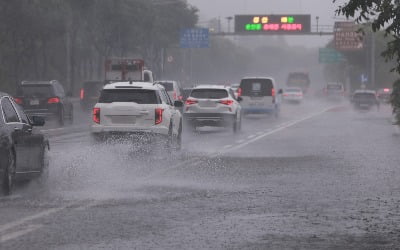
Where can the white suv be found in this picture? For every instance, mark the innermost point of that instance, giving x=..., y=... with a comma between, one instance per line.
x=130, y=108
x=213, y=105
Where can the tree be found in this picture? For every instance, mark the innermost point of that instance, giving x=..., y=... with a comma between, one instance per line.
x=383, y=15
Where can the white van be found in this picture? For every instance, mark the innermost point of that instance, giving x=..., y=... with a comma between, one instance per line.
x=259, y=95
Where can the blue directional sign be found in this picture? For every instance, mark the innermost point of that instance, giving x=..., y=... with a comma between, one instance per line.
x=194, y=38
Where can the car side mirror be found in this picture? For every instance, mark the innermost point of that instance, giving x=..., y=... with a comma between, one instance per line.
x=37, y=121
x=178, y=104
x=239, y=99
x=280, y=91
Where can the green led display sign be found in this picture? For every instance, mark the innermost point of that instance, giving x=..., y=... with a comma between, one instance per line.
x=273, y=24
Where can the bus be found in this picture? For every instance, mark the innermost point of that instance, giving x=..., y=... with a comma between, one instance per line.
x=298, y=79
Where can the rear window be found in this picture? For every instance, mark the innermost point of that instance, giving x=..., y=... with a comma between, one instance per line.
x=209, y=93
x=140, y=96
x=39, y=90
x=364, y=96
x=92, y=89
x=292, y=90
x=256, y=87
x=169, y=86
x=334, y=87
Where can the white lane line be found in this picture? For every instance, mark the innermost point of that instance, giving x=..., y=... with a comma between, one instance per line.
x=240, y=141
x=17, y=234
x=228, y=146
x=224, y=151
x=259, y=133
x=19, y=222
x=89, y=205
x=251, y=136
x=51, y=129
x=39, y=215
x=280, y=128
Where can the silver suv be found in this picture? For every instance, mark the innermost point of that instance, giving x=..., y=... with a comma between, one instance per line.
x=213, y=105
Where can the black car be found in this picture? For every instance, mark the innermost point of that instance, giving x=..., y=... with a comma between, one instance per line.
x=365, y=99
x=22, y=148
x=90, y=93
x=46, y=99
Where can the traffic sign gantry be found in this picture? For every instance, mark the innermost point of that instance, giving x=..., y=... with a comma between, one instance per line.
x=273, y=24
x=330, y=55
x=194, y=38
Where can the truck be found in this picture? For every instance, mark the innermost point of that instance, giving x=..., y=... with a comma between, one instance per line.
x=126, y=69
x=298, y=79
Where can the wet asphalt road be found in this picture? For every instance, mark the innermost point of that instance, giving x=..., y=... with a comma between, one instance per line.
x=321, y=176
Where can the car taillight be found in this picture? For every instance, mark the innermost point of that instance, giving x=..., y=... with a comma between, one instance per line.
x=53, y=100
x=180, y=98
x=239, y=92
x=158, y=115
x=96, y=115
x=82, y=93
x=191, y=102
x=18, y=100
x=226, y=102
x=174, y=96
x=272, y=92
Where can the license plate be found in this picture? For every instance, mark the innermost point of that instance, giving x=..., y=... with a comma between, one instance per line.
x=123, y=119
x=256, y=104
x=34, y=102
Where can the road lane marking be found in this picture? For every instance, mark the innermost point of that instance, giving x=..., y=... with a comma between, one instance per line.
x=228, y=146
x=42, y=214
x=240, y=141
x=251, y=136
x=261, y=135
x=17, y=234
x=278, y=129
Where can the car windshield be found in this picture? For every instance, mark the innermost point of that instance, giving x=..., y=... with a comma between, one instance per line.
x=139, y=96
x=209, y=93
x=256, y=87
x=364, y=96
x=169, y=86
x=292, y=90
x=334, y=87
x=36, y=90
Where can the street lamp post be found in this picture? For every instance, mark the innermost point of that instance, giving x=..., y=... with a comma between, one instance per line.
x=229, y=18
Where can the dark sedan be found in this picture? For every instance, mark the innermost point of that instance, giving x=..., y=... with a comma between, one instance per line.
x=22, y=148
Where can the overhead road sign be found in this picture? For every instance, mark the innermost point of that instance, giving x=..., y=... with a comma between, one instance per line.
x=273, y=24
x=194, y=38
x=330, y=55
x=347, y=37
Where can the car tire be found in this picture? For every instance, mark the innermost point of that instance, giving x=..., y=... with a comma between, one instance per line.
x=8, y=175
x=179, y=138
x=236, y=124
x=71, y=116
x=44, y=175
x=61, y=117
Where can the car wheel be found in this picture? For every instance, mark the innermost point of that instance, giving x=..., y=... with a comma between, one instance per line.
x=71, y=116
x=61, y=117
x=8, y=175
x=178, y=143
x=236, y=125
x=44, y=175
